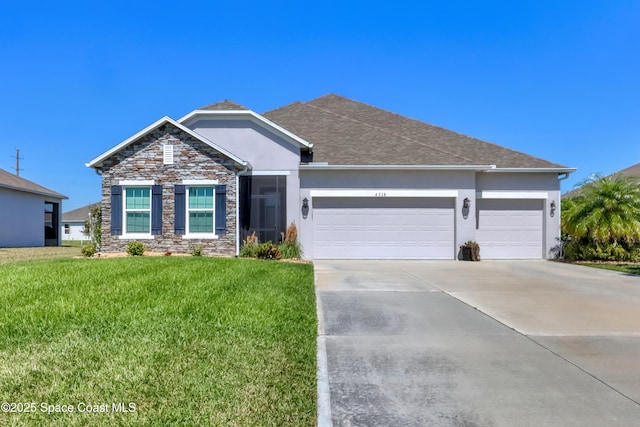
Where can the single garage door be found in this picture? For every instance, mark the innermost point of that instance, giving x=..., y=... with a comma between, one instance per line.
x=510, y=229
x=379, y=228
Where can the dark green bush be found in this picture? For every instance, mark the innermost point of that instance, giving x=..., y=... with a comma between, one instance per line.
x=268, y=250
x=588, y=250
x=135, y=248
x=88, y=250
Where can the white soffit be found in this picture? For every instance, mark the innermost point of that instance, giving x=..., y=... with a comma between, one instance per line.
x=512, y=195
x=383, y=193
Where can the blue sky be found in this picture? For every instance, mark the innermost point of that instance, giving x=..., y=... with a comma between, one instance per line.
x=556, y=79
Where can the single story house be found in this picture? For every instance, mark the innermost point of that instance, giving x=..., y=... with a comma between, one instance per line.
x=358, y=181
x=73, y=223
x=30, y=213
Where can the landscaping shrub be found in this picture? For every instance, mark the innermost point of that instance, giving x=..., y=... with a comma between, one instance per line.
x=197, y=250
x=268, y=250
x=588, y=250
x=290, y=247
x=249, y=247
x=88, y=250
x=135, y=248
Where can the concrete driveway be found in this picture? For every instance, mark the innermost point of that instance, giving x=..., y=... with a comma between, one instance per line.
x=494, y=343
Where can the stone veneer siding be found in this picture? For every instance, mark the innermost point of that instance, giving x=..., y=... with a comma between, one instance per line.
x=143, y=160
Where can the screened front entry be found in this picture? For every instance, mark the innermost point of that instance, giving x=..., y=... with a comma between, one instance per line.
x=263, y=207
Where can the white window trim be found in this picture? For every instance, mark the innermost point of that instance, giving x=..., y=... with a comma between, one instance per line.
x=199, y=183
x=136, y=184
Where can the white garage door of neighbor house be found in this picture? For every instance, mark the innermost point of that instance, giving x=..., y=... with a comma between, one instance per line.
x=510, y=229
x=383, y=228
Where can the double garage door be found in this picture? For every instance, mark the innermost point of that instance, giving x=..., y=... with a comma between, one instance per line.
x=383, y=228
x=422, y=228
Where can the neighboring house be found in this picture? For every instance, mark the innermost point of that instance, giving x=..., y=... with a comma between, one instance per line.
x=358, y=181
x=29, y=213
x=73, y=223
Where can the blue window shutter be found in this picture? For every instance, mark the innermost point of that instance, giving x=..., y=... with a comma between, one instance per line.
x=221, y=209
x=180, y=207
x=156, y=210
x=116, y=210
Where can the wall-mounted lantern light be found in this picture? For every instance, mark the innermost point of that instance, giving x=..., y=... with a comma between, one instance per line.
x=305, y=208
x=552, y=208
x=466, y=203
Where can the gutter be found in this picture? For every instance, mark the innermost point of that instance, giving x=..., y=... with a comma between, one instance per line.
x=326, y=166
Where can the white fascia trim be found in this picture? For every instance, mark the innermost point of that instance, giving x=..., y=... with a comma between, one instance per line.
x=253, y=116
x=200, y=181
x=379, y=193
x=267, y=173
x=98, y=160
x=133, y=182
x=530, y=195
x=324, y=166
x=535, y=170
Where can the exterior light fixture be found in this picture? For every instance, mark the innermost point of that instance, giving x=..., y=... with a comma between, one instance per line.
x=466, y=203
x=552, y=208
x=305, y=203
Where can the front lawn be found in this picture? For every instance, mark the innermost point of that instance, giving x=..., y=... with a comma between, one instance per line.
x=174, y=340
x=10, y=255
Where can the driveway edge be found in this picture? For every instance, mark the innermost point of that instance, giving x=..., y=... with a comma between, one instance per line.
x=322, y=374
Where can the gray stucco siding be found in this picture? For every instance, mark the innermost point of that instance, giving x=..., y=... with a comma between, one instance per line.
x=193, y=160
x=264, y=150
x=22, y=216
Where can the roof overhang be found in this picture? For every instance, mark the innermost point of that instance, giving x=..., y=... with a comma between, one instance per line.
x=326, y=166
x=52, y=195
x=534, y=170
x=250, y=115
x=97, y=162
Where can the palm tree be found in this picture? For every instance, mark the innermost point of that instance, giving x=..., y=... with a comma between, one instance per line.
x=606, y=210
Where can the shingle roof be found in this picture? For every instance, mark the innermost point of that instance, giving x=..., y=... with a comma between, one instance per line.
x=224, y=105
x=631, y=171
x=79, y=214
x=14, y=182
x=348, y=132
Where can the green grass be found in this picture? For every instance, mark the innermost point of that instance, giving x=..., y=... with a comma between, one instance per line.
x=190, y=341
x=624, y=268
x=12, y=255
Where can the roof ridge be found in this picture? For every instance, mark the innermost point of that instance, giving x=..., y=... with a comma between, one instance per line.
x=406, y=138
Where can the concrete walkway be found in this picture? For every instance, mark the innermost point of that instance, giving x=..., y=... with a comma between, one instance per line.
x=495, y=343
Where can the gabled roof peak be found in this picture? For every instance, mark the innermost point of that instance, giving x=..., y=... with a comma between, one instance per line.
x=224, y=105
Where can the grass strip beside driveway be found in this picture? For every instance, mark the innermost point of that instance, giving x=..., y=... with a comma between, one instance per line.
x=188, y=341
x=624, y=268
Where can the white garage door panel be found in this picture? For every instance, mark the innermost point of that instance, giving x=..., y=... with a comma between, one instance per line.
x=510, y=229
x=379, y=228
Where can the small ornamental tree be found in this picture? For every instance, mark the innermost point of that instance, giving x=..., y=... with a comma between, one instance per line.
x=93, y=226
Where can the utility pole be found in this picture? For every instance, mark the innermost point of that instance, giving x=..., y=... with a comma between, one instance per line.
x=18, y=162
